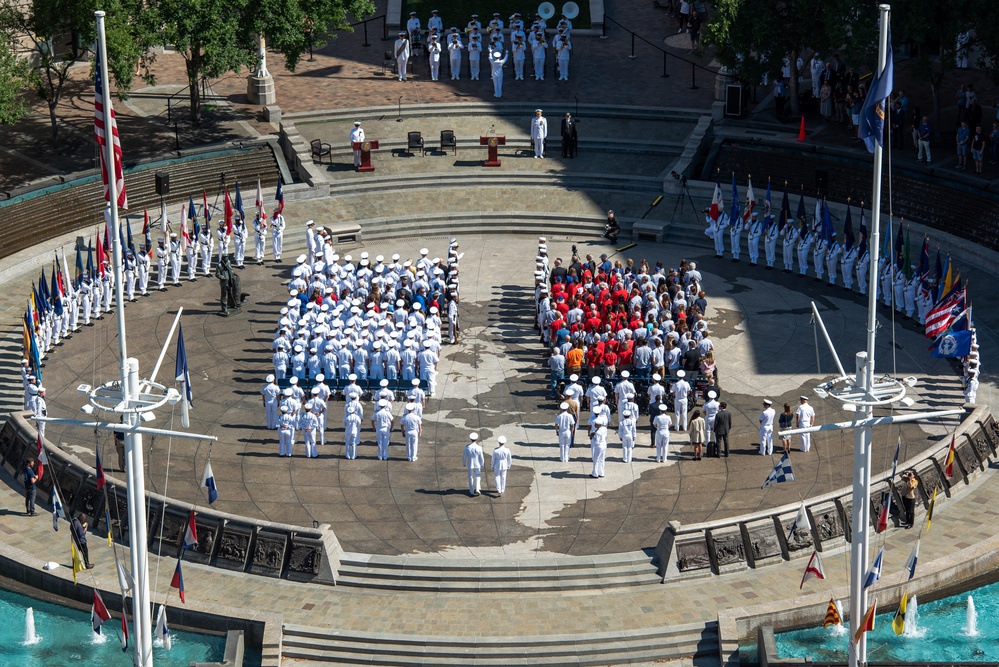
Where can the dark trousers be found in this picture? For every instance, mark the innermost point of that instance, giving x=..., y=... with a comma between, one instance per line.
x=712, y=447
x=556, y=379
x=29, y=500
x=719, y=439
x=908, y=511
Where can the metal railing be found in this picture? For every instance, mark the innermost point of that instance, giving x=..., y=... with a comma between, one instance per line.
x=666, y=54
x=382, y=17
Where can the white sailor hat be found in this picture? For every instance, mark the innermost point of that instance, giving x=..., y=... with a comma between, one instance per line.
x=293, y=380
x=573, y=377
x=384, y=383
x=382, y=403
x=315, y=390
x=714, y=394
x=657, y=377
x=681, y=373
x=662, y=407
x=424, y=251
x=625, y=375
x=501, y=440
x=803, y=397
x=320, y=377
x=595, y=380
x=284, y=408
x=626, y=413
x=415, y=382
x=410, y=407
x=287, y=391
x=563, y=406
x=301, y=259
x=269, y=378
x=766, y=401
x=473, y=436
x=352, y=377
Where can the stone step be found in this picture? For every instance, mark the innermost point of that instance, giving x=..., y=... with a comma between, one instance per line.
x=627, y=647
x=440, y=564
x=581, y=181
x=596, y=581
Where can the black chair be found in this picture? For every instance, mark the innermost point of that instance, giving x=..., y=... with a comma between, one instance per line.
x=319, y=149
x=448, y=140
x=415, y=141
x=389, y=61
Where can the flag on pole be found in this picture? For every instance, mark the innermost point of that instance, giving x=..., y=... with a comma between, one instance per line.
x=872, y=113
x=817, y=222
x=924, y=259
x=98, y=612
x=125, y=581
x=183, y=376
x=146, y=235
x=280, y=197
x=204, y=210
x=768, y=217
x=867, y=624
x=239, y=203
x=781, y=473
x=874, y=573
x=40, y=455
x=735, y=214
x=885, y=511
x=948, y=281
x=101, y=479
x=208, y=482
x=910, y=562
x=178, y=581
x=785, y=209
x=848, y=238
x=162, y=631
x=800, y=213
x=191, y=532
x=929, y=510
x=104, y=120
x=898, y=623
x=801, y=521
x=750, y=203
x=907, y=257
x=949, y=461
x=124, y=630
x=832, y=615
x=863, y=233
x=228, y=212
x=107, y=522
x=57, y=511
x=77, y=562
x=894, y=463
x=192, y=211
x=941, y=315
x=952, y=344
x=813, y=570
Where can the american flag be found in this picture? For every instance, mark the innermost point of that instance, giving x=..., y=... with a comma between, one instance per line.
x=100, y=131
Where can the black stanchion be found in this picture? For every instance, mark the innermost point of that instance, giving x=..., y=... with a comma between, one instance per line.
x=384, y=27
x=366, y=34
x=693, y=76
x=665, y=75
x=632, y=56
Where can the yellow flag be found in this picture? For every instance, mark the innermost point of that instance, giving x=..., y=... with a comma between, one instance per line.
x=898, y=623
x=929, y=512
x=77, y=563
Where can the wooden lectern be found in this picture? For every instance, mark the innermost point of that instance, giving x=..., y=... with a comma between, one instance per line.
x=493, y=142
x=365, y=147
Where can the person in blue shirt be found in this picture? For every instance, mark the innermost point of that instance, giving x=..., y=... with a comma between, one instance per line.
x=963, y=137
x=924, y=131
x=30, y=479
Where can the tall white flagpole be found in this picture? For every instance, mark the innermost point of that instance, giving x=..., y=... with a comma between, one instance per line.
x=134, y=464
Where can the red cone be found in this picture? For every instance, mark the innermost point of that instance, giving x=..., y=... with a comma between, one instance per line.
x=801, y=132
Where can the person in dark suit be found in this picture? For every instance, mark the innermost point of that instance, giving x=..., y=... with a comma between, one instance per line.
x=569, y=136
x=723, y=425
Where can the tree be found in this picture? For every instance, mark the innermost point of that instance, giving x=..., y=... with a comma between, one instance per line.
x=219, y=36
x=40, y=27
x=15, y=80
x=755, y=38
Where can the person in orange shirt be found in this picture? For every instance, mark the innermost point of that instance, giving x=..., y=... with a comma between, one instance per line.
x=574, y=359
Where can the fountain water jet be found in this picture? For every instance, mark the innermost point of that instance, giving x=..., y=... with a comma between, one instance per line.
x=971, y=623
x=30, y=636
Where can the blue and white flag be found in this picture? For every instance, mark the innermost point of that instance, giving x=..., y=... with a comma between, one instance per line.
x=183, y=376
x=208, y=482
x=874, y=573
x=239, y=203
x=162, y=630
x=910, y=563
x=951, y=344
x=872, y=113
x=781, y=473
x=801, y=521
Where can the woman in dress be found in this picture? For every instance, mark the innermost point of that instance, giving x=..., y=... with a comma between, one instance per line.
x=698, y=434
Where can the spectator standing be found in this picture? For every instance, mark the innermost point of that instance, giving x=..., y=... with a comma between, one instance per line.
x=962, y=139
x=30, y=480
x=698, y=433
x=784, y=422
x=723, y=426
x=924, y=131
x=978, y=149
x=79, y=530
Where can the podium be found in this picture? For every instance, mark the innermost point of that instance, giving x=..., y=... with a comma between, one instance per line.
x=493, y=143
x=365, y=147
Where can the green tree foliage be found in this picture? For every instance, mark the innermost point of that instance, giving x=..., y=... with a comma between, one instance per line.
x=15, y=79
x=755, y=38
x=219, y=36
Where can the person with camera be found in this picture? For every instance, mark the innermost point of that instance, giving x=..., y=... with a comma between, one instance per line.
x=611, y=228
x=909, y=485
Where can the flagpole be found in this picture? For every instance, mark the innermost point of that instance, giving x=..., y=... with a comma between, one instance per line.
x=863, y=438
x=135, y=466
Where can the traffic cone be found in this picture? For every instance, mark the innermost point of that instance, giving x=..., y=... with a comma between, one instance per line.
x=801, y=132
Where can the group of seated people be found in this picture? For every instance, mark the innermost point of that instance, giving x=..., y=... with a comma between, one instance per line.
x=605, y=318
x=365, y=322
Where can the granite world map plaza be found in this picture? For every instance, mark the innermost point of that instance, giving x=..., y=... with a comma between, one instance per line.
x=363, y=561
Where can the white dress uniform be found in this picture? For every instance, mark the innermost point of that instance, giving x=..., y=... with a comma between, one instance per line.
x=277, y=236
x=863, y=263
x=804, y=247
x=789, y=239
x=804, y=417
x=833, y=256
x=239, y=241
x=434, y=51
x=142, y=262
x=819, y=258
x=848, y=265
x=496, y=63
x=662, y=424
x=473, y=459
x=411, y=425
x=539, y=131
x=454, y=47
x=353, y=414
x=565, y=425
x=770, y=243
x=538, y=49
x=222, y=236
x=501, y=461
x=519, y=58
x=174, y=249
x=598, y=443
x=680, y=391
x=271, y=393
x=309, y=424
x=767, y=429
x=259, y=237
x=286, y=431
x=205, y=241
x=382, y=421
x=755, y=234
x=627, y=430
x=563, y=49
x=428, y=369
x=474, y=59
x=735, y=235
x=402, y=53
